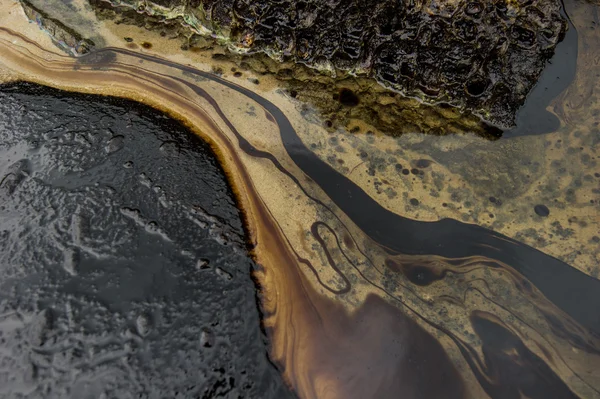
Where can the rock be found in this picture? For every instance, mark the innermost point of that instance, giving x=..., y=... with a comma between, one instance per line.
x=64, y=36
x=481, y=56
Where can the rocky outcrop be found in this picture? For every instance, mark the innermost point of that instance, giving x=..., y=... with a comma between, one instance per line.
x=482, y=56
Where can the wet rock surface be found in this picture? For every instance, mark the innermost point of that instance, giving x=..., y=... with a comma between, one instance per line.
x=123, y=268
x=484, y=57
x=64, y=36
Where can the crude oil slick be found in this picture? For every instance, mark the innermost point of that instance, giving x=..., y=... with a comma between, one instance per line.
x=414, y=266
x=123, y=262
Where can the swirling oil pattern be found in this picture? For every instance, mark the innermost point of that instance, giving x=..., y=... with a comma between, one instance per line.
x=359, y=301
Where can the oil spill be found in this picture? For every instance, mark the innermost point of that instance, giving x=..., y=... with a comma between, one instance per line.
x=124, y=270
x=361, y=300
x=521, y=172
x=561, y=286
x=564, y=285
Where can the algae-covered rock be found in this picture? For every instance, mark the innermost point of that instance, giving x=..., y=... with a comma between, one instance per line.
x=484, y=56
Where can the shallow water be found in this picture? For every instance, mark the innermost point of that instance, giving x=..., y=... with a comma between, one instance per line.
x=431, y=266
